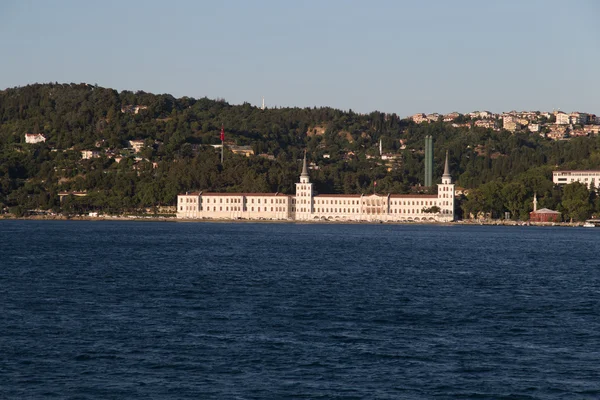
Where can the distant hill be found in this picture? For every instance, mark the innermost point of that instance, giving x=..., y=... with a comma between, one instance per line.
x=88, y=130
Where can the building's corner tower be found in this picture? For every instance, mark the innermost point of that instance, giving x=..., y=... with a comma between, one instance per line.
x=446, y=194
x=428, y=181
x=304, y=195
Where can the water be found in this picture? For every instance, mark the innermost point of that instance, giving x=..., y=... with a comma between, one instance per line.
x=252, y=311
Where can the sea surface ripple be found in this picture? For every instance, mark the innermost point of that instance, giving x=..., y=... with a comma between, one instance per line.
x=290, y=311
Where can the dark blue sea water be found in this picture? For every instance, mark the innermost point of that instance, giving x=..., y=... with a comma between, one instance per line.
x=274, y=311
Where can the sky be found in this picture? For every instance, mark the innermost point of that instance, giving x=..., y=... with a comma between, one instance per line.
x=395, y=56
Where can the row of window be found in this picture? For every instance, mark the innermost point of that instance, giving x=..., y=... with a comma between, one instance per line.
x=317, y=210
x=583, y=173
x=321, y=202
x=234, y=201
x=368, y=211
x=233, y=208
x=377, y=202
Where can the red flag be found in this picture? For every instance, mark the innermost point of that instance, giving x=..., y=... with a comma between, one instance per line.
x=222, y=133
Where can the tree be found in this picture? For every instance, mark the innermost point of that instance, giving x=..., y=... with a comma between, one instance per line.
x=576, y=202
x=513, y=195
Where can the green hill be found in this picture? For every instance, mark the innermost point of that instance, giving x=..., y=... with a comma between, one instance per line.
x=176, y=154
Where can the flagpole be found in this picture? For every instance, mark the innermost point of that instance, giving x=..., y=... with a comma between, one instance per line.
x=222, y=142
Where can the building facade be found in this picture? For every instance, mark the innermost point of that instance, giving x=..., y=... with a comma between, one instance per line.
x=562, y=118
x=589, y=178
x=305, y=205
x=33, y=138
x=545, y=215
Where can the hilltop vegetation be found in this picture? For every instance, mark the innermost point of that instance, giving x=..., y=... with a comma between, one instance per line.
x=502, y=169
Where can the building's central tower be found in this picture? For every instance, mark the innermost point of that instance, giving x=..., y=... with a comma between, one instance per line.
x=446, y=194
x=304, y=194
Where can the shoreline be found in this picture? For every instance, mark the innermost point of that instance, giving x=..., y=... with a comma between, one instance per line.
x=320, y=222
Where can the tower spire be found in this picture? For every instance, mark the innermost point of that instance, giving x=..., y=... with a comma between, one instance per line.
x=446, y=167
x=304, y=169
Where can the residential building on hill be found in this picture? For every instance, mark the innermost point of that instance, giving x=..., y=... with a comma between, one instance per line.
x=88, y=154
x=33, y=138
x=562, y=118
x=486, y=123
x=510, y=123
x=418, y=118
x=136, y=145
x=133, y=108
x=305, y=205
x=243, y=150
x=590, y=178
x=451, y=116
x=578, y=118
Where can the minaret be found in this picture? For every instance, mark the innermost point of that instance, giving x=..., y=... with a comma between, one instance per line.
x=263, y=103
x=303, y=200
x=380, y=148
x=534, y=202
x=445, y=200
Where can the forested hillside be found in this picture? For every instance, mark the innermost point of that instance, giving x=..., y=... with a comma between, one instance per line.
x=501, y=169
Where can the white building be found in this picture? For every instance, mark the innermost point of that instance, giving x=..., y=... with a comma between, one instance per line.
x=562, y=118
x=137, y=145
x=89, y=154
x=307, y=206
x=133, y=109
x=34, y=138
x=590, y=178
x=481, y=114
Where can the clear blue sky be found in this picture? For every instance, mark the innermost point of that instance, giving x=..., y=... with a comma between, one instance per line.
x=393, y=56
